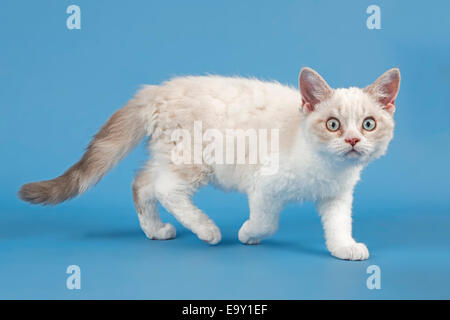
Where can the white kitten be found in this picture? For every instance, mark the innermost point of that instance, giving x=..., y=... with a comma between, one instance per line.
x=326, y=137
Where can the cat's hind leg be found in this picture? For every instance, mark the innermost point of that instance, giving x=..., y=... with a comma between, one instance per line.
x=263, y=221
x=147, y=208
x=174, y=191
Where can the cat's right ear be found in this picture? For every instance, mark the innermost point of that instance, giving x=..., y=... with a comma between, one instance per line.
x=385, y=89
x=313, y=88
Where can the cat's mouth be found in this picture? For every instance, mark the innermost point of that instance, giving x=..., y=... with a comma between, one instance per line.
x=353, y=153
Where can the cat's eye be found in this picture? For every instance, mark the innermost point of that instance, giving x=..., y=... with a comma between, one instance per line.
x=333, y=124
x=369, y=124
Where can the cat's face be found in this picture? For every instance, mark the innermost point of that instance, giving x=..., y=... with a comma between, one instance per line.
x=352, y=125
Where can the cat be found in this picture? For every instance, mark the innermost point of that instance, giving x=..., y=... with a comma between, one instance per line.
x=326, y=137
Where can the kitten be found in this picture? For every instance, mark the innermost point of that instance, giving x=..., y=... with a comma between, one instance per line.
x=326, y=137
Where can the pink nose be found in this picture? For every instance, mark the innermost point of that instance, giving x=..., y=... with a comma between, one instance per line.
x=352, y=141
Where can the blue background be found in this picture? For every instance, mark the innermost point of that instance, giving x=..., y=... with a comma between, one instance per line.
x=58, y=86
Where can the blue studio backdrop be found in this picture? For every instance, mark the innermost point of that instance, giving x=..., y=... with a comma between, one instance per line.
x=59, y=85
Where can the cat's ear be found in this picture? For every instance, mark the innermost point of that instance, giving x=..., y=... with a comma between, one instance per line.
x=385, y=89
x=313, y=88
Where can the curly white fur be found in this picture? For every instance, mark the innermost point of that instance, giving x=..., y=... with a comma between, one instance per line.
x=315, y=163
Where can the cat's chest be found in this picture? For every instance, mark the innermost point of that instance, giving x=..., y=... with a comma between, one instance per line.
x=309, y=183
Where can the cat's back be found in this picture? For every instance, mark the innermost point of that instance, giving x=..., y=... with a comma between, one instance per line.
x=230, y=91
x=227, y=88
x=231, y=102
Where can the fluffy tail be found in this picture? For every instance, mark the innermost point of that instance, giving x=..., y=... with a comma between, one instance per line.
x=118, y=136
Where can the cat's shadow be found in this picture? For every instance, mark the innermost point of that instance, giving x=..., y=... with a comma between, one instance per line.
x=115, y=234
x=282, y=245
x=294, y=247
x=123, y=234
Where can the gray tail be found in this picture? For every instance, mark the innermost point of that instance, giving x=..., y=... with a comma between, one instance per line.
x=118, y=136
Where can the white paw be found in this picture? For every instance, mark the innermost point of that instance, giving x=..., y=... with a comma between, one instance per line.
x=245, y=237
x=209, y=233
x=356, y=251
x=249, y=240
x=166, y=232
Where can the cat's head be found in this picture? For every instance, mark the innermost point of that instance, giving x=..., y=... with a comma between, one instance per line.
x=352, y=125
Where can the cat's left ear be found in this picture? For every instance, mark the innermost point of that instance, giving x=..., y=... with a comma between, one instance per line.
x=385, y=89
x=313, y=88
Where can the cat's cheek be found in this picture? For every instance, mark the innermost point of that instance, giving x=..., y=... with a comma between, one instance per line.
x=379, y=149
x=322, y=135
x=380, y=136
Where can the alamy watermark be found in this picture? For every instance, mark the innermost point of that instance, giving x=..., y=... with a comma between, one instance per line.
x=74, y=20
x=229, y=146
x=73, y=281
x=374, y=280
x=374, y=20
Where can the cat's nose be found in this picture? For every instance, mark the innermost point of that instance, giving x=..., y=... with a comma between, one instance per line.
x=352, y=141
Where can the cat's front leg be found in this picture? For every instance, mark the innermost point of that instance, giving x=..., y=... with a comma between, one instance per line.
x=336, y=215
x=263, y=221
